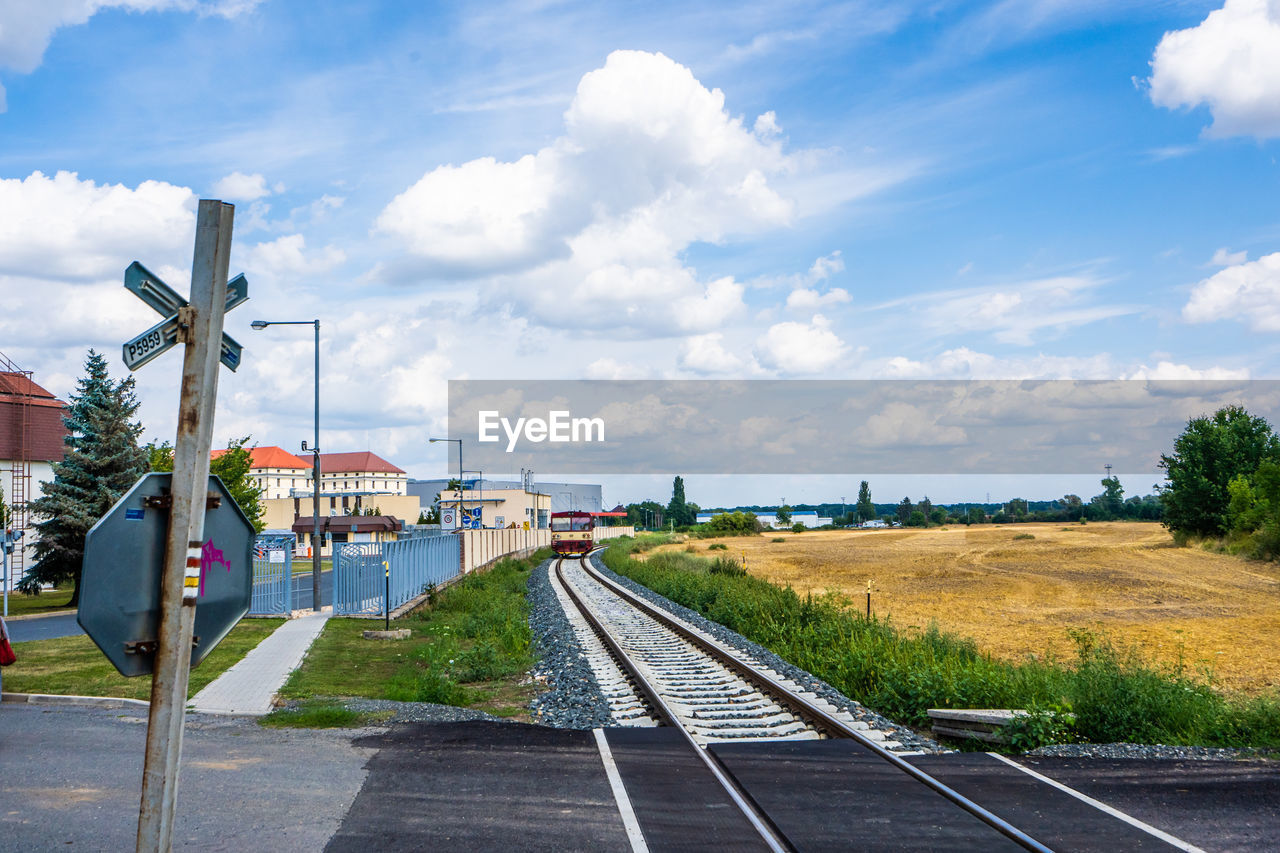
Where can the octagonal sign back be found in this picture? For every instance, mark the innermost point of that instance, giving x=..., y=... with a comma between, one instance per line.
x=123, y=563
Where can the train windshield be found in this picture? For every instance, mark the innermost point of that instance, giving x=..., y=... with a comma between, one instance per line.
x=571, y=523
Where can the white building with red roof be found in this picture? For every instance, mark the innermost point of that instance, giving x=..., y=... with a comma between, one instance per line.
x=277, y=471
x=362, y=472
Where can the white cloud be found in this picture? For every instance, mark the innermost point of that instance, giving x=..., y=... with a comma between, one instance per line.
x=241, y=187
x=1012, y=313
x=82, y=230
x=26, y=28
x=707, y=354
x=1249, y=292
x=792, y=347
x=806, y=299
x=1225, y=258
x=609, y=368
x=1230, y=62
x=287, y=257
x=1169, y=370
x=650, y=163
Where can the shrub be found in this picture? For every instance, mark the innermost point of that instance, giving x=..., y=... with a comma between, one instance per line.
x=797, y=528
x=778, y=539
x=1024, y=536
x=717, y=546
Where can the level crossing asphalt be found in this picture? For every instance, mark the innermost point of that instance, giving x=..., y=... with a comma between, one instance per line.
x=72, y=780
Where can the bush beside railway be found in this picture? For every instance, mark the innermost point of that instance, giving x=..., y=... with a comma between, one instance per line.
x=1107, y=694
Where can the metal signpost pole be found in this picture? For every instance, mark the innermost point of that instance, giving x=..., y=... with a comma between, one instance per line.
x=200, y=326
x=315, y=493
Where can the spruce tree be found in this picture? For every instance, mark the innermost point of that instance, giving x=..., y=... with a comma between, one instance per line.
x=102, y=462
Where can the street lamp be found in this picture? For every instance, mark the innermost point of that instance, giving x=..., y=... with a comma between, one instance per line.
x=258, y=326
x=458, y=512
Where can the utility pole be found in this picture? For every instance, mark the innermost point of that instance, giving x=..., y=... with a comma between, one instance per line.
x=200, y=329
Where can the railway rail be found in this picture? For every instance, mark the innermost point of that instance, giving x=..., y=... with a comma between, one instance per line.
x=662, y=671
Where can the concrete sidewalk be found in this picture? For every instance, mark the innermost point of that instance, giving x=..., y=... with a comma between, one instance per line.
x=250, y=685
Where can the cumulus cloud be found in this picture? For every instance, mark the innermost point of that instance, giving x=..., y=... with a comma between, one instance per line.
x=1249, y=292
x=1229, y=62
x=650, y=162
x=28, y=27
x=241, y=187
x=707, y=354
x=288, y=257
x=792, y=347
x=1169, y=370
x=74, y=229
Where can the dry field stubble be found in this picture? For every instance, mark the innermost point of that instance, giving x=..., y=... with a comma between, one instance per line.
x=1018, y=597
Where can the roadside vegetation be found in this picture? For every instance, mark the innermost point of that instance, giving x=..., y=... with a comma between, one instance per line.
x=469, y=647
x=49, y=601
x=1104, y=693
x=74, y=666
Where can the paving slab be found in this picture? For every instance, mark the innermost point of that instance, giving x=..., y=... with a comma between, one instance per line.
x=250, y=686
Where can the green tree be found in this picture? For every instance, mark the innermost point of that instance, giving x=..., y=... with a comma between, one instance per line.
x=644, y=514
x=733, y=524
x=234, y=466
x=917, y=519
x=101, y=462
x=904, y=509
x=938, y=516
x=679, y=512
x=976, y=515
x=1206, y=457
x=783, y=515
x=1109, y=504
x=866, y=509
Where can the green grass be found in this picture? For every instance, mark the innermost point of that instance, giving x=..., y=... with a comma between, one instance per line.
x=470, y=647
x=75, y=666
x=1113, y=693
x=45, y=602
x=1018, y=536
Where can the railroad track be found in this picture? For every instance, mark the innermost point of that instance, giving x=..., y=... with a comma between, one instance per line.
x=655, y=669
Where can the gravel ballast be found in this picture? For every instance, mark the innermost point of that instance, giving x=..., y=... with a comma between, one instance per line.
x=574, y=699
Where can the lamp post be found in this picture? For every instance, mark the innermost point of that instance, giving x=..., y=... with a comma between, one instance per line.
x=459, y=510
x=259, y=325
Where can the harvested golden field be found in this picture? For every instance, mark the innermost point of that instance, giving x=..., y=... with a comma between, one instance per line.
x=1019, y=596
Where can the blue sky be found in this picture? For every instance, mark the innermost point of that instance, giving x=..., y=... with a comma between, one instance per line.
x=606, y=190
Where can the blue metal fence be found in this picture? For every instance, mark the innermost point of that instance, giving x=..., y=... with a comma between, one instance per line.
x=360, y=578
x=272, y=575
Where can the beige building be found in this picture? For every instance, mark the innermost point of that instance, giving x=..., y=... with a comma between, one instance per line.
x=500, y=508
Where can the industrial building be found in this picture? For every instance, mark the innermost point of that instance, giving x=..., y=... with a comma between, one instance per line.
x=512, y=501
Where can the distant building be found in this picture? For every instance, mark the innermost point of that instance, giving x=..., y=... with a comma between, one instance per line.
x=559, y=497
x=808, y=517
x=31, y=439
x=362, y=471
x=276, y=471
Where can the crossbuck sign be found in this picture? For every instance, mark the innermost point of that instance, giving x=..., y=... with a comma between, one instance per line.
x=168, y=304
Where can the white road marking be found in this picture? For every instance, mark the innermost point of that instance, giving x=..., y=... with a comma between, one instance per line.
x=634, y=835
x=1115, y=813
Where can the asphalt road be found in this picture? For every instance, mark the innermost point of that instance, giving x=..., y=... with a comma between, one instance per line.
x=43, y=628
x=65, y=625
x=70, y=779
